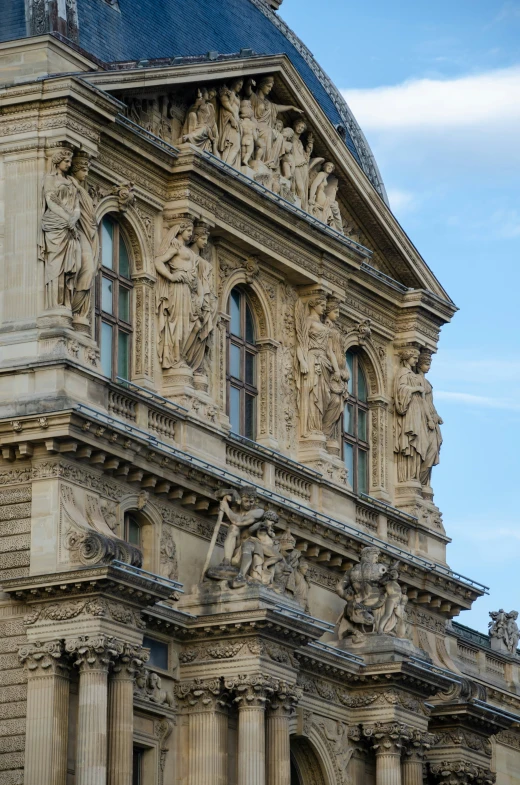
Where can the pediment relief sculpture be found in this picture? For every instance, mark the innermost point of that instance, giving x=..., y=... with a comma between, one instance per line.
x=241, y=122
x=185, y=300
x=254, y=553
x=418, y=435
x=375, y=602
x=70, y=245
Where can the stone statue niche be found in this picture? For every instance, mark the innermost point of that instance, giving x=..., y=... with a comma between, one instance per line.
x=69, y=245
x=240, y=122
x=375, y=602
x=503, y=632
x=254, y=554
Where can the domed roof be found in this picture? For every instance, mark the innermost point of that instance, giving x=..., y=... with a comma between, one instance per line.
x=126, y=30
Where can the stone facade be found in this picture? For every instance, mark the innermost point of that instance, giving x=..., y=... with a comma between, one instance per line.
x=222, y=562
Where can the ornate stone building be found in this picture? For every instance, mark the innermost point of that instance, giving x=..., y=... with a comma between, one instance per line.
x=221, y=558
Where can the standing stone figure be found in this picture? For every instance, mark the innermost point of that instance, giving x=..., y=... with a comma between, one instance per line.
x=315, y=364
x=340, y=377
x=375, y=602
x=318, y=199
x=302, y=157
x=411, y=438
x=229, y=137
x=503, y=631
x=204, y=302
x=176, y=287
x=89, y=242
x=432, y=419
x=266, y=112
x=61, y=239
x=243, y=513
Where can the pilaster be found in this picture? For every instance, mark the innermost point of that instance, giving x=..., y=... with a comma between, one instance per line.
x=281, y=706
x=251, y=695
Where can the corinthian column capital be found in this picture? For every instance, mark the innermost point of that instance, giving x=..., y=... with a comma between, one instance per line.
x=284, y=698
x=387, y=737
x=460, y=773
x=94, y=653
x=130, y=661
x=202, y=694
x=44, y=658
x=251, y=690
x=417, y=744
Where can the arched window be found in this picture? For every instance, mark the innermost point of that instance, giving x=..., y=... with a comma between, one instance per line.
x=114, y=302
x=241, y=371
x=355, y=426
x=132, y=529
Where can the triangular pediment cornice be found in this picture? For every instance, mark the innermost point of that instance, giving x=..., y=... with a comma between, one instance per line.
x=366, y=216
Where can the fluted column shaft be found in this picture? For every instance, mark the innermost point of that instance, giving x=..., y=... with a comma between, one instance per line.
x=93, y=656
x=278, y=748
x=208, y=748
x=121, y=714
x=47, y=714
x=412, y=769
x=251, y=744
x=388, y=768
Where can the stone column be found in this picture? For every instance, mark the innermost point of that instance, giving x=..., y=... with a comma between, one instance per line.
x=387, y=740
x=93, y=656
x=281, y=706
x=47, y=713
x=208, y=725
x=413, y=759
x=121, y=714
x=251, y=695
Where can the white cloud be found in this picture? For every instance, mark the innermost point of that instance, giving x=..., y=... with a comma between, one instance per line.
x=484, y=100
x=477, y=400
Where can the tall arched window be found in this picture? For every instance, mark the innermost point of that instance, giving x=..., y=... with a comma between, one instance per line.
x=113, y=302
x=355, y=426
x=241, y=371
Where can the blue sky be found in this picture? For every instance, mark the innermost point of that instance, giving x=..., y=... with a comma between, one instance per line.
x=436, y=89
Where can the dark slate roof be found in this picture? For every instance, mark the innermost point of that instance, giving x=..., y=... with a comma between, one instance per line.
x=123, y=30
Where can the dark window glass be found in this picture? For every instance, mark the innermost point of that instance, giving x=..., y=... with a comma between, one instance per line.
x=132, y=529
x=137, y=766
x=114, y=302
x=242, y=390
x=355, y=426
x=158, y=652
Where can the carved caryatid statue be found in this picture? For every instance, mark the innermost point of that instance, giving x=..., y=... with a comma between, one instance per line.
x=266, y=113
x=432, y=420
x=200, y=125
x=61, y=238
x=375, y=603
x=204, y=302
x=503, y=631
x=177, y=287
x=229, y=141
x=316, y=365
x=89, y=242
x=411, y=437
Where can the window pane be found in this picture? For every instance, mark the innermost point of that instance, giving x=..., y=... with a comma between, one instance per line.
x=249, y=430
x=106, y=348
x=107, y=302
x=250, y=368
x=124, y=262
x=250, y=326
x=123, y=355
x=158, y=652
x=137, y=766
x=132, y=530
x=107, y=243
x=234, y=409
x=348, y=458
x=362, y=425
x=234, y=361
x=235, y=326
x=362, y=472
x=350, y=366
x=124, y=303
x=348, y=422
x=362, y=385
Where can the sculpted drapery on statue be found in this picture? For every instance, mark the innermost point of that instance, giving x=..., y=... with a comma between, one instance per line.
x=320, y=372
x=89, y=242
x=418, y=436
x=185, y=301
x=229, y=142
x=503, y=631
x=266, y=113
x=61, y=239
x=375, y=603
